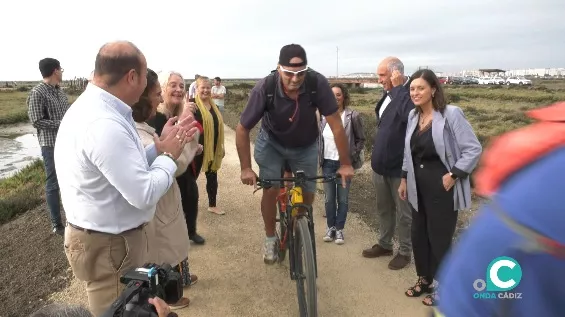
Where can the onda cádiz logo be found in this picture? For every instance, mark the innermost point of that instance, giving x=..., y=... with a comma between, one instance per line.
x=503, y=274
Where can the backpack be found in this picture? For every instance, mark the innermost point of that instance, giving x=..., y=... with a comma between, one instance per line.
x=311, y=82
x=358, y=159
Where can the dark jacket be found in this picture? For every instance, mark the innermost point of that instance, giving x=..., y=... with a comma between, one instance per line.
x=388, y=144
x=353, y=126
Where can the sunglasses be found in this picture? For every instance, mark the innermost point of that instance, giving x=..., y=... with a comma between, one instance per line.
x=291, y=73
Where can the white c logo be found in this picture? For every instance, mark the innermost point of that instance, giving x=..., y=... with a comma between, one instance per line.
x=493, y=274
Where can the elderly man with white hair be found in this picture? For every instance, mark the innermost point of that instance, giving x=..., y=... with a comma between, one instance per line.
x=386, y=160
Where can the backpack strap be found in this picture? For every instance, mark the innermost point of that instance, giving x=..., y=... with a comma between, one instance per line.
x=311, y=82
x=312, y=86
x=270, y=89
x=536, y=242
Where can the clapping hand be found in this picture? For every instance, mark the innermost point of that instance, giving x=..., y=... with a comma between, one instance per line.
x=175, y=140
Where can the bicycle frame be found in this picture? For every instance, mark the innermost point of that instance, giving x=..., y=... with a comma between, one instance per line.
x=291, y=204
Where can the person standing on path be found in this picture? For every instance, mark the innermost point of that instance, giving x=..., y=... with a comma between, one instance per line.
x=337, y=196
x=172, y=85
x=47, y=105
x=167, y=231
x=212, y=140
x=219, y=94
x=386, y=160
x=110, y=184
x=289, y=132
x=440, y=151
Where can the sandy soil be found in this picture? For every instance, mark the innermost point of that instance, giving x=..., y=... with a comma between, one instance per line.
x=16, y=129
x=234, y=281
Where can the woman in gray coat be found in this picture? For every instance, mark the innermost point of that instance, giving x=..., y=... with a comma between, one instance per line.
x=440, y=151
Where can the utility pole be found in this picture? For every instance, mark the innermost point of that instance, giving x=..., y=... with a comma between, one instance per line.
x=337, y=62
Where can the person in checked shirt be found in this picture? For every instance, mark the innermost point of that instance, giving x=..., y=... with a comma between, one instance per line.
x=47, y=104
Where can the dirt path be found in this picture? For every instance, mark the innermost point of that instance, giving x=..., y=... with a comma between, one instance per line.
x=234, y=281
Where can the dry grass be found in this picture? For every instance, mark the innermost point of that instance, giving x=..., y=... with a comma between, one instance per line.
x=22, y=192
x=13, y=107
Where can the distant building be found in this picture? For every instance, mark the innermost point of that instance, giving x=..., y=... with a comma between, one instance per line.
x=538, y=72
x=359, y=75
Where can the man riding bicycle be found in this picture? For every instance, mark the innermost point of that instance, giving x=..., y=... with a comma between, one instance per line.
x=289, y=132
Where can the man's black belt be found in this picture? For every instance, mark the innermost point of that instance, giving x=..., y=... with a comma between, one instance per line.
x=94, y=231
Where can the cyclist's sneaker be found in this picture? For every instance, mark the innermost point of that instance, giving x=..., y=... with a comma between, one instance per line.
x=330, y=234
x=270, y=253
x=339, y=237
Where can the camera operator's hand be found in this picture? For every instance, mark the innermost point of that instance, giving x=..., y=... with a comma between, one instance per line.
x=163, y=310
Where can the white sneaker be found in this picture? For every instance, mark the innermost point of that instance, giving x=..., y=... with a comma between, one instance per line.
x=270, y=254
x=330, y=234
x=339, y=237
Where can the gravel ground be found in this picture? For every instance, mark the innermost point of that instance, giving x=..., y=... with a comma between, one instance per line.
x=234, y=281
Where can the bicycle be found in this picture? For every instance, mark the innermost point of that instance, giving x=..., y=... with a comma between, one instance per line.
x=295, y=232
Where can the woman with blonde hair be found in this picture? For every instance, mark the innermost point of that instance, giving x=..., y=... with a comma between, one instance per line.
x=172, y=84
x=168, y=223
x=209, y=116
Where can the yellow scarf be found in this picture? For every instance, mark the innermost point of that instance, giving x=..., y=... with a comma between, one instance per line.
x=210, y=154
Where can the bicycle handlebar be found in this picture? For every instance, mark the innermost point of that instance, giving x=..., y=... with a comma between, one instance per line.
x=299, y=179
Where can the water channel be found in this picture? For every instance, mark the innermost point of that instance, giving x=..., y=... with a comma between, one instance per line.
x=18, y=148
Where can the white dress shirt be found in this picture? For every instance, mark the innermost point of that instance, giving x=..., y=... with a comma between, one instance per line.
x=109, y=182
x=384, y=105
x=330, y=148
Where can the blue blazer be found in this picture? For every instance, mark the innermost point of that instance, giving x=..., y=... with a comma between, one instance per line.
x=457, y=146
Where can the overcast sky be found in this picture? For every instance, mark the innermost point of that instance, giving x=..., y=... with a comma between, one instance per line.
x=231, y=38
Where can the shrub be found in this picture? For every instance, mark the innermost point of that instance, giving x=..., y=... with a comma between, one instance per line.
x=22, y=192
x=23, y=88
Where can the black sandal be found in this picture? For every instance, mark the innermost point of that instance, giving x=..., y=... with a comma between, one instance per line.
x=422, y=284
x=432, y=299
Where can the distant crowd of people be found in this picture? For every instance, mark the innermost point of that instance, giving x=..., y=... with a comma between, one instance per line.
x=126, y=157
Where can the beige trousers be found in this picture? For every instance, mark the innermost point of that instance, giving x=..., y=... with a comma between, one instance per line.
x=99, y=259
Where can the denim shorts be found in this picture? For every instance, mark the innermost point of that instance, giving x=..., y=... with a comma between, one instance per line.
x=270, y=156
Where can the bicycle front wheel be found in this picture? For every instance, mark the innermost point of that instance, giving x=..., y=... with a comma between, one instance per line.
x=281, y=232
x=305, y=268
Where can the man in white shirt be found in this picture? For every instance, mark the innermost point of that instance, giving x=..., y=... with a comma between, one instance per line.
x=110, y=184
x=192, y=88
x=218, y=93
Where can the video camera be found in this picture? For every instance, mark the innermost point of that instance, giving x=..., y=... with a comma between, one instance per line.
x=143, y=283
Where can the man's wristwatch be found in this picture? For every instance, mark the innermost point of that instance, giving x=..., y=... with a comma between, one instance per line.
x=453, y=175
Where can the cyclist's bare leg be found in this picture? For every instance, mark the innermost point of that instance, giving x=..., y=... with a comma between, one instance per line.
x=269, y=210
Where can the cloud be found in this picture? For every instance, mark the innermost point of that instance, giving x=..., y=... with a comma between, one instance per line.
x=243, y=38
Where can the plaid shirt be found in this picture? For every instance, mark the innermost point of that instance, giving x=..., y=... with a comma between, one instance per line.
x=46, y=107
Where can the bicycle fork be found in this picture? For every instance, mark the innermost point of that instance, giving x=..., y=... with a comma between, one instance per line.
x=313, y=236
x=291, y=246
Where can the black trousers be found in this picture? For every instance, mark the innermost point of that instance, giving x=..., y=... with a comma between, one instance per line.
x=189, y=195
x=212, y=187
x=433, y=226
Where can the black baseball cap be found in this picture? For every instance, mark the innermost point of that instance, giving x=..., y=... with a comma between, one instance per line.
x=291, y=51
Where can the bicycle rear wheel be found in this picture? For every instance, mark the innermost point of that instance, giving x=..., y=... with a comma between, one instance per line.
x=305, y=268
